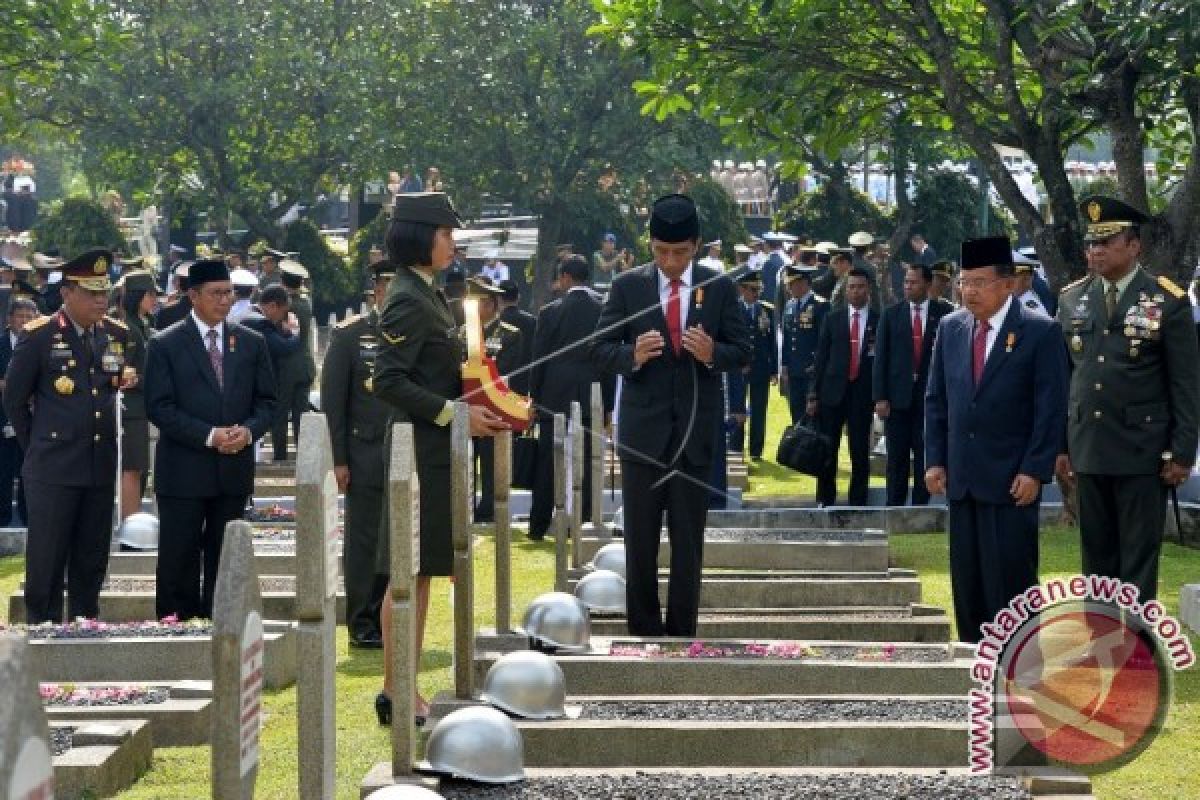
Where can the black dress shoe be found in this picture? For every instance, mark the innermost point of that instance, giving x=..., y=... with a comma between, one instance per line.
x=383, y=709
x=370, y=641
x=535, y=537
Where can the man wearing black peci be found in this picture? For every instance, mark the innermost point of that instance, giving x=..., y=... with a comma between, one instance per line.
x=669, y=328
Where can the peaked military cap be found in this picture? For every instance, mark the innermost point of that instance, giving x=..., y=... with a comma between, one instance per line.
x=431, y=208
x=89, y=270
x=673, y=218
x=1108, y=216
x=944, y=268
x=989, y=251
x=751, y=278
x=138, y=279
x=794, y=271
x=861, y=239
x=293, y=268
x=383, y=269
x=482, y=287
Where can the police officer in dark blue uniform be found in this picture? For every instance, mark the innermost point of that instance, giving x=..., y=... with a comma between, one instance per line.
x=801, y=323
x=762, y=372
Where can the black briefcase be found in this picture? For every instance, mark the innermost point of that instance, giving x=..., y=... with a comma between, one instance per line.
x=524, y=461
x=804, y=449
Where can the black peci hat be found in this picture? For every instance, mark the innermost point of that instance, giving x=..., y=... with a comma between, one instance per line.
x=673, y=218
x=206, y=271
x=990, y=251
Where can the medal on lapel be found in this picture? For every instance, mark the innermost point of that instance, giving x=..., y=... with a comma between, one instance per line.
x=64, y=385
x=698, y=294
x=1009, y=342
x=1077, y=343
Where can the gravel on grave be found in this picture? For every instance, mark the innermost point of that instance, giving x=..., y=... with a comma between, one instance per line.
x=888, y=710
x=700, y=650
x=90, y=629
x=802, y=613
x=60, y=740
x=93, y=696
x=814, y=535
x=677, y=786
x=270, y=583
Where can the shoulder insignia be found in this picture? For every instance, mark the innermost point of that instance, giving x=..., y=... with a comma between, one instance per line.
x=1170, y=286
x=766, y=305
x=348, y=321
x=1074, y=283
x=35, y=323
x=116, y=323
x=392, y=339
x=509, y=327
x=818, y=298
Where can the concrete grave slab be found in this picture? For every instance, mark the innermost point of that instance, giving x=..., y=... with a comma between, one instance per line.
x=104, y=759
x=182, y=720
x=25, y=745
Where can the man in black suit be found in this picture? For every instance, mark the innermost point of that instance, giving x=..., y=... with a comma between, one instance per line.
x=512, y=313
x=563, y=373
x=669, y=328
x=267, y=317
x=171, y=313
x=20, y=311
x=840, y=393
x=210, y=391
x=902, y=353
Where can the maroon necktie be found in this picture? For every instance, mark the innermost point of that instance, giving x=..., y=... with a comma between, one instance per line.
x=674, y=321
x=918, y=337
x=854, y=334
x=979, y=349
x=215, y=357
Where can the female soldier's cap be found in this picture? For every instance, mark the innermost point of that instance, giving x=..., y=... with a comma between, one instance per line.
x=431, y=208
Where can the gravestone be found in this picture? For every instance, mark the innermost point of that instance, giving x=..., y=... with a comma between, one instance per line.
x=558, y=523
x=460, y=534
x=237, y=652
x=404, y=530
x=316, y=592
x=503, y=477
x=26, y=766
x=596, y=463
x=576, y=488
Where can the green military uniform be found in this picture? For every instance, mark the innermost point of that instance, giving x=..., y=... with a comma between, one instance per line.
x=358, y=423
x=297, y=370
x=1134, y=403
x=135, y=429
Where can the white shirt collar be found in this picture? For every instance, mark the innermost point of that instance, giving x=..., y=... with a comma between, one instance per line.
x=664, y=282
x=997, y=319
x=205, y=328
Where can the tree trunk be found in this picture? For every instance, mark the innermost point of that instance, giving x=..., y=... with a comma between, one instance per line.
x=550, y=228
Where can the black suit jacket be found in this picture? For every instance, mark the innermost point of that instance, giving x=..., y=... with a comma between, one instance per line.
x=832, y=363
x=519, y=380
x=893, y=376
x=185, y=402
x=167, y=316
x=6, y=351
x=563, y=371
x=672, y=405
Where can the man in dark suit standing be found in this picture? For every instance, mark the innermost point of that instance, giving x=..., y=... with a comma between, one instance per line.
x=802, y=317
x=20, y=311
x=839, y=395
x=562, y=374
x=995, y=416
x=669, y=328
x=171, y=313
x=902, y=352
x=211, y=393
x=60, y=396
x=760, y=374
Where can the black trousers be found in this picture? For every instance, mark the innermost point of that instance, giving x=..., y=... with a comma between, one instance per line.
x=193, y=529
x=1121, y=519
x=682, y=495
x=11, y=459
x=70, y=530
x=993, y=558
x=756, y=418
x=365, y=586
x=485, y=478
x=797, y=396
x=542, y=503
x=293, y=403
x=905, y=434
x=854, y=413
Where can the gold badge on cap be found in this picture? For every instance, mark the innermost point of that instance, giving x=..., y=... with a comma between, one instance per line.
x=101, y=266
x=1094, y=211
x=64, y=385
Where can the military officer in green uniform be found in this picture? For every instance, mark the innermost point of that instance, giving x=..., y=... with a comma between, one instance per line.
x=358, y=422
x=502, y=342
x=60, y=396
x=1135, y=397
x=298, y=370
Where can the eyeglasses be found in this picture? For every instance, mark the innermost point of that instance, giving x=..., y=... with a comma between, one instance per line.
x=975, y=284
x=217, y=294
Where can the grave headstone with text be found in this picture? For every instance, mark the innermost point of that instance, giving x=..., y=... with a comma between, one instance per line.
x=316, y=592
x=404, y=528
x=503, y=473
x=26, y=765
x=559, y=522
x=576, y=488
x=596, y=464
x=237, y=652
x=460, y=534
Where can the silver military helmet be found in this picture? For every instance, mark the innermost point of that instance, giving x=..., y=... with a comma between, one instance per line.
x=610, y=557
x=603, y=591
x=526, y=684
x=403, y=793
x=139, y=531
x=478, y=744
x=559, y=620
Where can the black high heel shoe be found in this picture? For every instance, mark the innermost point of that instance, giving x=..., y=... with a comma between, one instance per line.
x=383, y=709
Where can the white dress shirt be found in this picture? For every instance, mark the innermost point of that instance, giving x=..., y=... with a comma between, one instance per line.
x=685, y=295
x=862, y=325
x=995, y=322
x=921, y=308
x=205, y=328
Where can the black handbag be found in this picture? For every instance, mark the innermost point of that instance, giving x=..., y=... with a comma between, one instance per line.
x=804, y=449
x=524, y=461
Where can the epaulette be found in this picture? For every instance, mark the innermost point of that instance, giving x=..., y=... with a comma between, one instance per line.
x=766, y=305
x=348, y=321
x=35, y=323
x=116, y=323
x=1171, y=286
x=508, y=326
x=819, y=299
x=1073, y=284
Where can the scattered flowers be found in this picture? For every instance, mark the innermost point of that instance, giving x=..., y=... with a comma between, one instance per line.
x=71, y=695
x=781, y=650
x=272, y=513
x=95, y=629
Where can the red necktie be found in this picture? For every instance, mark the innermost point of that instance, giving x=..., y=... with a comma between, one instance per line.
x=674, y=323
x=918, y=337
x=979, y=350
x=854, y=346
